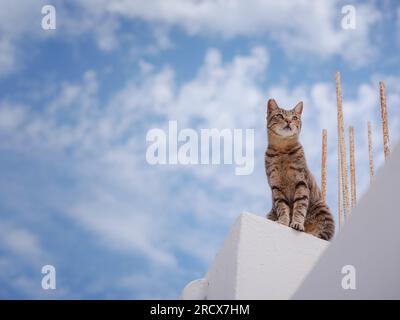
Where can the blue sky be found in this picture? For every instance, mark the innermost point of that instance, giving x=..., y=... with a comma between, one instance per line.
x=76, y=104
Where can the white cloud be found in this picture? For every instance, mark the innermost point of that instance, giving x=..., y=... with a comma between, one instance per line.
x=20, y=241
x=297, y=26
x=7, y=56
x=20, y=23
x=11, y=117
x=15, y=21
x=110, y=152
x=226, y=90
x=123, y=226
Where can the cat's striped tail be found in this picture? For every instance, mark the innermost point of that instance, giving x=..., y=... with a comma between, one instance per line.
x=319, y=221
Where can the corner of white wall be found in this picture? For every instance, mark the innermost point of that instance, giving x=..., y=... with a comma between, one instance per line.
x=260, y=259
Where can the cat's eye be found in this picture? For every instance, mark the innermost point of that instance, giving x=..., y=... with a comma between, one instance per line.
x=295, y=118
x=280, y=116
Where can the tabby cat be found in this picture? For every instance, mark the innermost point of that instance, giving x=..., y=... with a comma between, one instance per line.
x=296, y=197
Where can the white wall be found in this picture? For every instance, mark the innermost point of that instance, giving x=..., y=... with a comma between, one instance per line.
x=260, y=259
x=370, y=242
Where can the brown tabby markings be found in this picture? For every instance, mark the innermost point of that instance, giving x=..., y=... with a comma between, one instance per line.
x=296, y=197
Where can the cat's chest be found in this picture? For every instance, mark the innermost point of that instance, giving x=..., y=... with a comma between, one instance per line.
x=285, y=167
x=286, y=173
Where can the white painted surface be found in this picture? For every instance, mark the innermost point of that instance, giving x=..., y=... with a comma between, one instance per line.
x=260, y=259
x=370, y=242
x=195, y=290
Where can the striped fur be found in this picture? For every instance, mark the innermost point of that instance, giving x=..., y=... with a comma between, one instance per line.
x=296, y=197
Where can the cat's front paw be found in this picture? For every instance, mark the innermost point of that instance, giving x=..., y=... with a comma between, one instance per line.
x=297, y=226
x=284, y=220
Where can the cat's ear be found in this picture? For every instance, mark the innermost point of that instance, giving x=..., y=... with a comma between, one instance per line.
x=271, y=105
x=299, y=108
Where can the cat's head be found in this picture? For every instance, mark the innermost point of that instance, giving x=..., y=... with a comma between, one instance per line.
x=284, y=123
